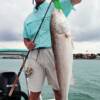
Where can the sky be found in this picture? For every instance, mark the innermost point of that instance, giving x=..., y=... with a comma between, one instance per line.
x=84, y=20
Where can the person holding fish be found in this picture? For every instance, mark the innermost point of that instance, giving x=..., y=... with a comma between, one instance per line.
x=40, y=62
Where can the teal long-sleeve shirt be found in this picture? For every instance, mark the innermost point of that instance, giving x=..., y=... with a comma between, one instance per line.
x=33, y=22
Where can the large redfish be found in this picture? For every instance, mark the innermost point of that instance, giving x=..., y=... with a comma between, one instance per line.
x=62, y=48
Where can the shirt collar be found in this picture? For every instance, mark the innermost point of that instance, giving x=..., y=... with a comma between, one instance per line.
x=41, y=6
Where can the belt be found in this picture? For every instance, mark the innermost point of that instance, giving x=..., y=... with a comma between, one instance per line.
x=43, y=48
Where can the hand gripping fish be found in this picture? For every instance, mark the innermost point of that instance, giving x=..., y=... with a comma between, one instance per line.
x=62, y=48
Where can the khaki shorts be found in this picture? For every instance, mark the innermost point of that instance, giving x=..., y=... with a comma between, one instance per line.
x=41, y=63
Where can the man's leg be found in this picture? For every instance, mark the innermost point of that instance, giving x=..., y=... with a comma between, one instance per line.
x=34, y=96
x=36, y=79
x=57, y=94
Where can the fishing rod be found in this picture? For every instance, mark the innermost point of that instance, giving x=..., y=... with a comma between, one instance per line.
x=23, y=64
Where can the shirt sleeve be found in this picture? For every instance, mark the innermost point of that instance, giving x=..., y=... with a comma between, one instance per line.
x=25, y=32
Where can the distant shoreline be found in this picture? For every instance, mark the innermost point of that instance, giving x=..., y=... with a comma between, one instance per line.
x=22, y=53
x=86, y=56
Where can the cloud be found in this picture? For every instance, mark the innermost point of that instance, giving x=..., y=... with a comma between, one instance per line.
x=9, y=35
x=12, y=16
x=84, y=21
x=92, y=35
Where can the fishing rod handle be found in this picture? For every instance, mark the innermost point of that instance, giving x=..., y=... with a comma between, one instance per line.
x=13, y=87
x=17, y=77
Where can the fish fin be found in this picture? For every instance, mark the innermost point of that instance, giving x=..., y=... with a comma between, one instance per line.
x=66, y=35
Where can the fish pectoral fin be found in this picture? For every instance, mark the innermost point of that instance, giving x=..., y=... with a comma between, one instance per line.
x=66, y=35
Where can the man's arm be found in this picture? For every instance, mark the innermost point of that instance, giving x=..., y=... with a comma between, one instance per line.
x=29, y=44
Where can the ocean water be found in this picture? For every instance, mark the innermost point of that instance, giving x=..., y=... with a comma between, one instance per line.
x=87, y=80
x=86, y=76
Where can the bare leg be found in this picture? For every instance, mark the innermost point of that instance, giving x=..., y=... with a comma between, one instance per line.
x=57, y=94
x=34, y=96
